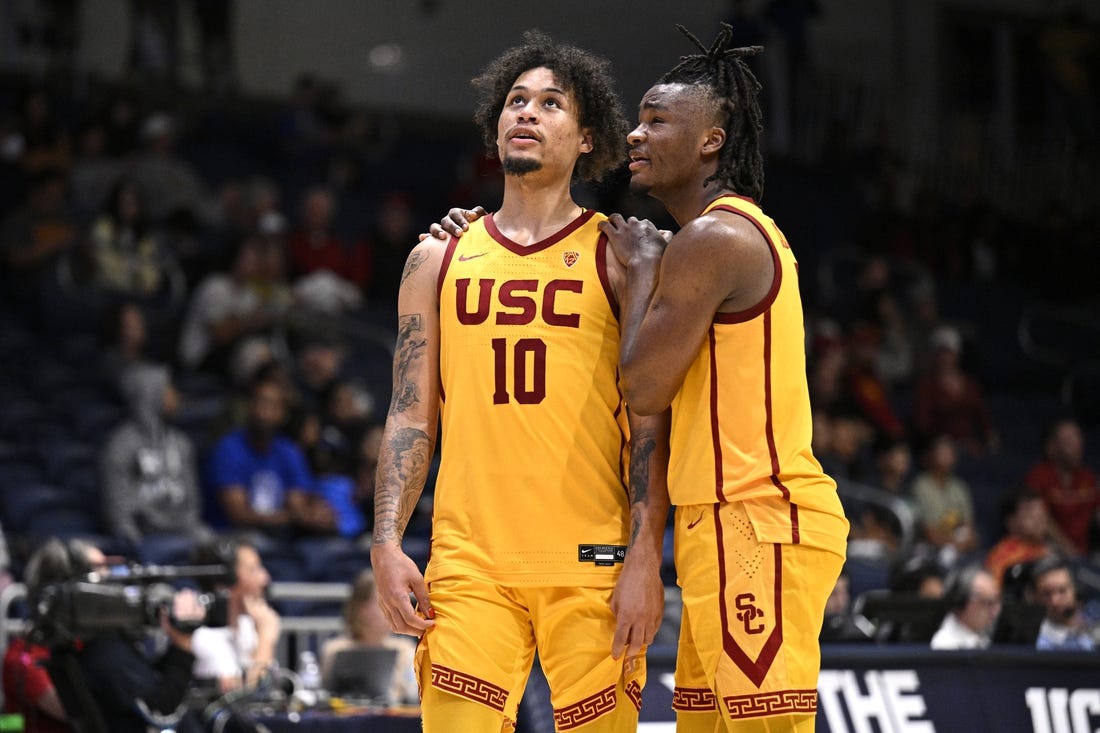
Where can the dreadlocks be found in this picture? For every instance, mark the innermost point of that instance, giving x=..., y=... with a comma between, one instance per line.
x=587, y=76
x=722, y=71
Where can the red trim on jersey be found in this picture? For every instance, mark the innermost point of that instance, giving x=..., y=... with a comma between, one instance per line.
x=605, y=279
x=448, y=255
x=777, y=277
x=769, y=426
x=522, y=250
x=715, y=434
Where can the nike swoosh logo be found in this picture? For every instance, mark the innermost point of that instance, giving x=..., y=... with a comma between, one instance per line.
x=465, y=258
x=700, y=519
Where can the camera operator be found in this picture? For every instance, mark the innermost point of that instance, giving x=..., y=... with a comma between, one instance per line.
x=113, y=685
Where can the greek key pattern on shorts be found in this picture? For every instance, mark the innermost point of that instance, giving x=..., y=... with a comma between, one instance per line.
x=469, y=687
x=586, y=710
x=772, y=703
x=693, y=699
x=634, y=692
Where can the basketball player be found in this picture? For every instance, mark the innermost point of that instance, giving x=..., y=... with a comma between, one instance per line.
x=509, y=334
x=760, y=533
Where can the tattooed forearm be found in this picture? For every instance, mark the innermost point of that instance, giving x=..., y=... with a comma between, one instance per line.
x=412, y=264
x=641, y=449
x=402, y=471
x=410, y=346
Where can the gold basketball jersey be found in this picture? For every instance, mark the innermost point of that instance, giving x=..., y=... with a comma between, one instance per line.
x=741, y=422
x=531, y=480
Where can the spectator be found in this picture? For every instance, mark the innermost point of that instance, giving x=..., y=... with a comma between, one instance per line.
x=33, y=236
x=892, y=460
x=94, y=171
x=365, y=626
x=842, y=436
x=258, y=477
x=944, y=503
x=950, y=400
x=227, y=308
x=168, y=182
x=243, y=650
x=124, y=342
x=48, y=143
x=1028, y=536
x=973, y=603
x=148, y=473
x=314, y=245
x=865, y=388
x=391, y=238
x=1069, y=487
x=840, y=624
x=125, y=252
x=920, y=576
x=1066, y=626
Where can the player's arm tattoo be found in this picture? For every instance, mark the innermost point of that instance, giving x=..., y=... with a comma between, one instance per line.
x=402, y=471
x=641, y=450
x=411, y=343
x=412, y=264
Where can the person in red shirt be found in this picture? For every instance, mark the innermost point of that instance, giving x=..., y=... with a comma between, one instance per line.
x=1069, y=487
x=948, y=399
x=314, y=245
x=1028, y=536
x=28, y=689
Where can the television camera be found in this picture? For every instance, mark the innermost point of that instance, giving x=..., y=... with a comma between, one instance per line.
x=128, y=598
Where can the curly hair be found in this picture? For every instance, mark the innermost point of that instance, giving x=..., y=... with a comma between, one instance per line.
x=721, y=70
x=586, y=76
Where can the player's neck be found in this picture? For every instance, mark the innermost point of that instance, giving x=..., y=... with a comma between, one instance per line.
x=685, y=203
x=532, y=210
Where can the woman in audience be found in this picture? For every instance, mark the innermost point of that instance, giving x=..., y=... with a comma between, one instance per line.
x=365, y=626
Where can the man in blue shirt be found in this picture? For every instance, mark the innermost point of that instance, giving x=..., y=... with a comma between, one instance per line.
x=259, y=478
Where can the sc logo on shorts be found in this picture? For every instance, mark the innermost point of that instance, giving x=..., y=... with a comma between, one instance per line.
x=747, y=612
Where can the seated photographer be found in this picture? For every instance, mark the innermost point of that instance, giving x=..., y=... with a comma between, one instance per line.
x=242, y=650
x=366, y=626
x=113, y=681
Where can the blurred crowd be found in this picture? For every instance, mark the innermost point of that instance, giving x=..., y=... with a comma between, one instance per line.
x=197, y=301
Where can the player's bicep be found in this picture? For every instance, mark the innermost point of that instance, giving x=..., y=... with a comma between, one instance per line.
x=416, y=352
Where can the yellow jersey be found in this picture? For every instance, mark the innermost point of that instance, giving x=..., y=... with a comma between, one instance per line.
x=741, y=421
x=531, y=486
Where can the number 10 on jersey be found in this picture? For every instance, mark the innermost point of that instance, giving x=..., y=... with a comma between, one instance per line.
x=520, y=367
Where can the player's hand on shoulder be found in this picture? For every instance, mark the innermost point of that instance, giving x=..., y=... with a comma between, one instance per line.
x=456, y=221
x=633, y=240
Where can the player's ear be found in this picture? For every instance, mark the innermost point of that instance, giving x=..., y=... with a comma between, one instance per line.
x=715, y=139
x=586, y=142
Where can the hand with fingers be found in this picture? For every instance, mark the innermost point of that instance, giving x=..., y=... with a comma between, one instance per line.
x=399, y=584
x=634, y=238
x=454, y=223
x=638, y=603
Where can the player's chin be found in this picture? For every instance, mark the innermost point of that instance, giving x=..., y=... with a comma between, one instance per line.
x=639, y=186
x=518, y=165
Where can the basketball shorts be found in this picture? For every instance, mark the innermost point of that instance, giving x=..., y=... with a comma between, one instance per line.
x=485, y=637
x=752, y=613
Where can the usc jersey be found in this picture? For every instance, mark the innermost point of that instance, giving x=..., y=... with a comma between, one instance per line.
x=533, y=424
x=741, y=421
